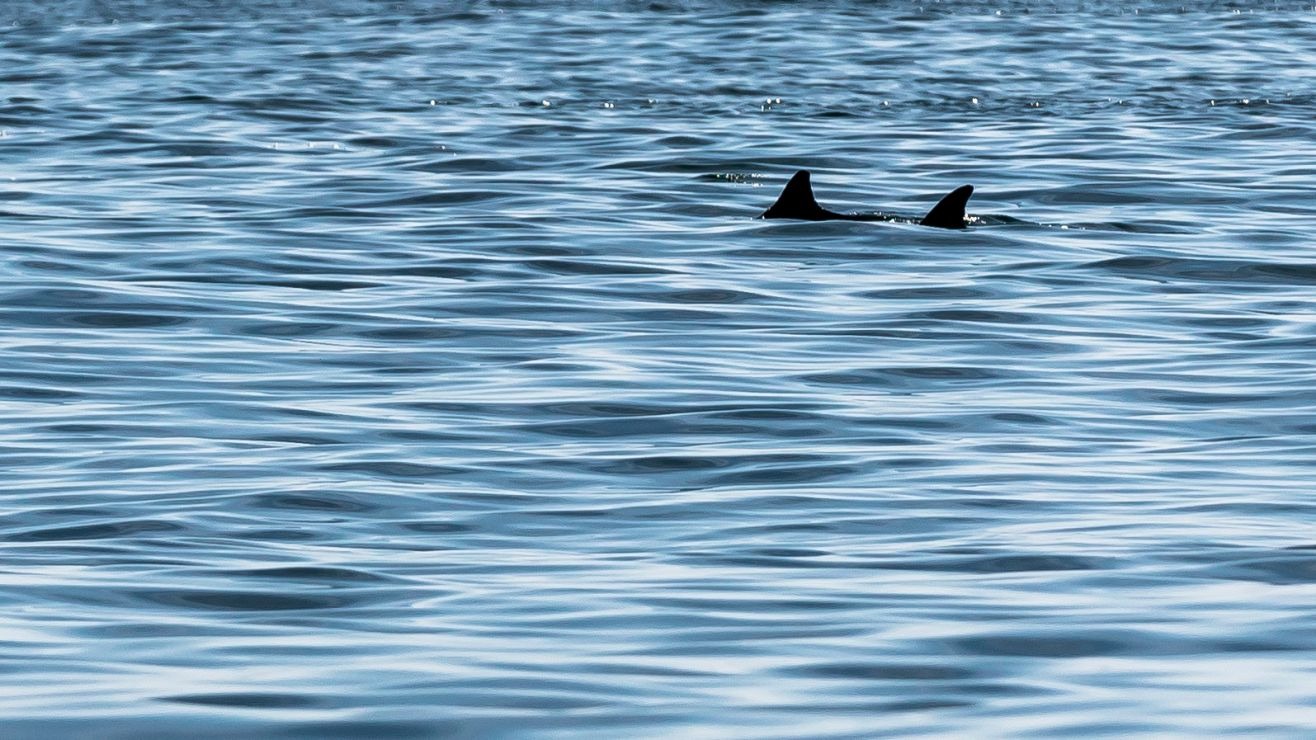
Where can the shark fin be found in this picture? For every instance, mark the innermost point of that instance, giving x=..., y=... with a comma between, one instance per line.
x=949, y=211
x=796, y=201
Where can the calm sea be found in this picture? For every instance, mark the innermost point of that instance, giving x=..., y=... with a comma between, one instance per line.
x=405, y=368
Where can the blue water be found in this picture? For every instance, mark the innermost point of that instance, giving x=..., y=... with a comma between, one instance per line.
x=393, y=369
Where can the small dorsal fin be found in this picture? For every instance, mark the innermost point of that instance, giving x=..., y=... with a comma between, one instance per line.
x=796, y=201
x=949, y=211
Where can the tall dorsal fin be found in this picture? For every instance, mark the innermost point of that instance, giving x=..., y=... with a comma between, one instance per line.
x=949, y=211
x=796, y=201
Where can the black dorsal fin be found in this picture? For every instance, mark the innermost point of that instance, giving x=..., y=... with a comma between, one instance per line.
x=796, y=201
x=949, y=211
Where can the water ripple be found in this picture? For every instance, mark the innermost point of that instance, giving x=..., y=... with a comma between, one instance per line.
x=410, y=369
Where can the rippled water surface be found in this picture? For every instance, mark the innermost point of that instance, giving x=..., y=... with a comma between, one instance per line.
x=391, y=369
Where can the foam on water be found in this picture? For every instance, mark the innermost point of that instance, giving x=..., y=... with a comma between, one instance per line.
x=393, y=369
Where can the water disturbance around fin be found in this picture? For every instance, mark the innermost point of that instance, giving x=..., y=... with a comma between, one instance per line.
x=798, y=202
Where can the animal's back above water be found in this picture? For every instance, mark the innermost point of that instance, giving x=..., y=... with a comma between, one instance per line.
x=798, y=202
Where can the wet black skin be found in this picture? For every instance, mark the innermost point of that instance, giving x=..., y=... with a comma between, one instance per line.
x=796, y=201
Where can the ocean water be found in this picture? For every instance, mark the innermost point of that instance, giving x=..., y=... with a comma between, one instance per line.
x=420, y=369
